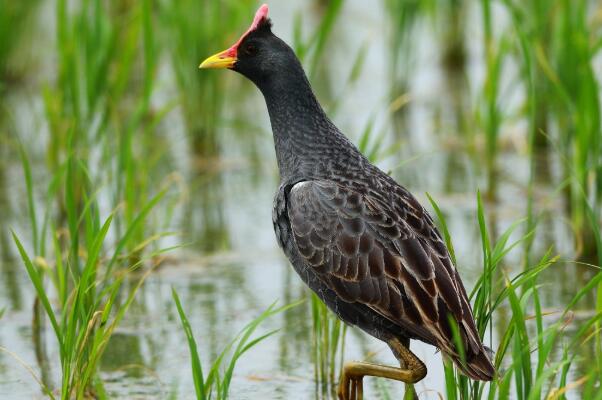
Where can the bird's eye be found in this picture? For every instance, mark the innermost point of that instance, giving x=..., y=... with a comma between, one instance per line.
x=251, y=49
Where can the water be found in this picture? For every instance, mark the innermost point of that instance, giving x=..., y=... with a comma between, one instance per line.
x=223, y=289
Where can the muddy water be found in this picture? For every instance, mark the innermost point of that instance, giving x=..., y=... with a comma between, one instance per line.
x=245, y=272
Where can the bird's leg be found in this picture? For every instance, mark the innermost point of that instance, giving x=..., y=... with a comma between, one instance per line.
x=411, y=371
x=400, y=347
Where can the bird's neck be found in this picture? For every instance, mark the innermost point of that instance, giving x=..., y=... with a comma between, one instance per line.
x=304, y=137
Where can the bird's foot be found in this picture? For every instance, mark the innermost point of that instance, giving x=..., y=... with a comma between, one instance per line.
x=351, y=384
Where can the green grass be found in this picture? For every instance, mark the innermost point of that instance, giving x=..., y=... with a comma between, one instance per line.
x=98, y=110
x=495, y=52
x=86, y=278
x=311, y=51
x=328, y=347
x=216, y=382
x=15, y=18
x=94, y=115
x=557, y=43
x=193, y=31
x=535, y=351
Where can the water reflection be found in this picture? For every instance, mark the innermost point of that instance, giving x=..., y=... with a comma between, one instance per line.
x=8, y=263
x=123, y=350
x=205, y=221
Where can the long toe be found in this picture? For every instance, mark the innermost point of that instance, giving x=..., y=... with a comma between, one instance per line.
x=359, y=386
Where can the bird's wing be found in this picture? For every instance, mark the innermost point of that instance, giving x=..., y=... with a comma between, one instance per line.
x=389, y=257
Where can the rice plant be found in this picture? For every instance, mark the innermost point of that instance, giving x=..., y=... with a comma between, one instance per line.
x=15, y=19
x=90, y=257
x=311, y=50
x=577, y=117
x=328, y=345
x=194, y=29
x=495, y=51
x=556, y=43
x=216, y=382
x=81, y=270
x=537, y=351
x=98, y=110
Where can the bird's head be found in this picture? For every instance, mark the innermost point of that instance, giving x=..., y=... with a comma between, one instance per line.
x=258, y=54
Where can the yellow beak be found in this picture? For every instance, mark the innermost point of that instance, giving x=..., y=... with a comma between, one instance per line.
x=219, y=60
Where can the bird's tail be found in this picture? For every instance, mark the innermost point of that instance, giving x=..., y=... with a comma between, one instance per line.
x=476, y=366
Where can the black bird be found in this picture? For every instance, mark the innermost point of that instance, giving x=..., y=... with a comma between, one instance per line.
x=356, y=237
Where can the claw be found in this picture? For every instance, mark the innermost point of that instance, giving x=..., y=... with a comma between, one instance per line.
x=411, y=371
x=351, y=387
x=360, y=387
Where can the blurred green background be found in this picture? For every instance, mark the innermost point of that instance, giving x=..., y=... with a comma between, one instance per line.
x=126, y=172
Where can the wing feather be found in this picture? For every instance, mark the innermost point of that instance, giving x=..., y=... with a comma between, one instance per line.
x=389, y=257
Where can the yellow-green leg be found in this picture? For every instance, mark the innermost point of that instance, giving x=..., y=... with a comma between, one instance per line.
x=411, y=370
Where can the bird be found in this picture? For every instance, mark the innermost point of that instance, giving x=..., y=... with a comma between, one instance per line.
x=361, y=241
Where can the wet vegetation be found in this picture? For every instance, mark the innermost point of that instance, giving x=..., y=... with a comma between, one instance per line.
x=136, y=254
